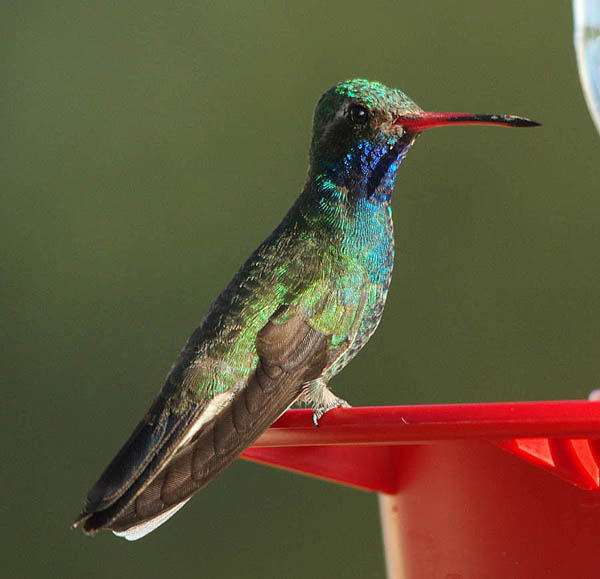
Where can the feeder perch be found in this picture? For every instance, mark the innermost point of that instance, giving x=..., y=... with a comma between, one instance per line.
x=466, y=491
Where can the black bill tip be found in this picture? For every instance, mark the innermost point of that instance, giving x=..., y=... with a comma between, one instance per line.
x=510, y=120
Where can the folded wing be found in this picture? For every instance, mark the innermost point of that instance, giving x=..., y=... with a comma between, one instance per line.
x=172, y=454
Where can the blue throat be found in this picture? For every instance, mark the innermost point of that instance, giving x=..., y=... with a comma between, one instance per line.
x=368, y=171
x=352, y=199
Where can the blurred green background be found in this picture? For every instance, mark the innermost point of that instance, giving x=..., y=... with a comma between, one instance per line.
x=148, y=147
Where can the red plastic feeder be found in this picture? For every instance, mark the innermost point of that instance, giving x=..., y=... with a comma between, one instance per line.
x=467, y=491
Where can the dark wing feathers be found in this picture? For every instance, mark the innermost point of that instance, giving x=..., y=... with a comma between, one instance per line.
x=290, y=352
x=143, y=455
x=157, y=427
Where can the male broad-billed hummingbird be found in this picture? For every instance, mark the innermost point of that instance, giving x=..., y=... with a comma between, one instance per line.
x=300, y=308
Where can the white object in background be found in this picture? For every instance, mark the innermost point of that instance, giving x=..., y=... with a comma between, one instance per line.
x=586, y=17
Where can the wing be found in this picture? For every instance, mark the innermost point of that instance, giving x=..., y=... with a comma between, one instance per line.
x=173, y=453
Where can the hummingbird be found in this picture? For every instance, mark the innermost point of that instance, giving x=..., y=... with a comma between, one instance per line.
x=297, y=311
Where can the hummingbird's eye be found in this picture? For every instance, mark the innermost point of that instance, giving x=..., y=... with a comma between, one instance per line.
x=358, y=114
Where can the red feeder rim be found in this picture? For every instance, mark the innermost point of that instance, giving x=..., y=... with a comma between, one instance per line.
x=444, y=474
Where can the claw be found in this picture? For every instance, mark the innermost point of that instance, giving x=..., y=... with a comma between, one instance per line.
x=322, y=400
x=319, y=412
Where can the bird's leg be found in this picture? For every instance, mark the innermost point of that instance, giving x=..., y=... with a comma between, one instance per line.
x=316, y=395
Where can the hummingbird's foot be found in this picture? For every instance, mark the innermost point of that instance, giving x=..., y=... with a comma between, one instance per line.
x=322, y=400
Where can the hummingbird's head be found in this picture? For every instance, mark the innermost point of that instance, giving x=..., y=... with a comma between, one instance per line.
x=362, y=130
x=355, y=130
